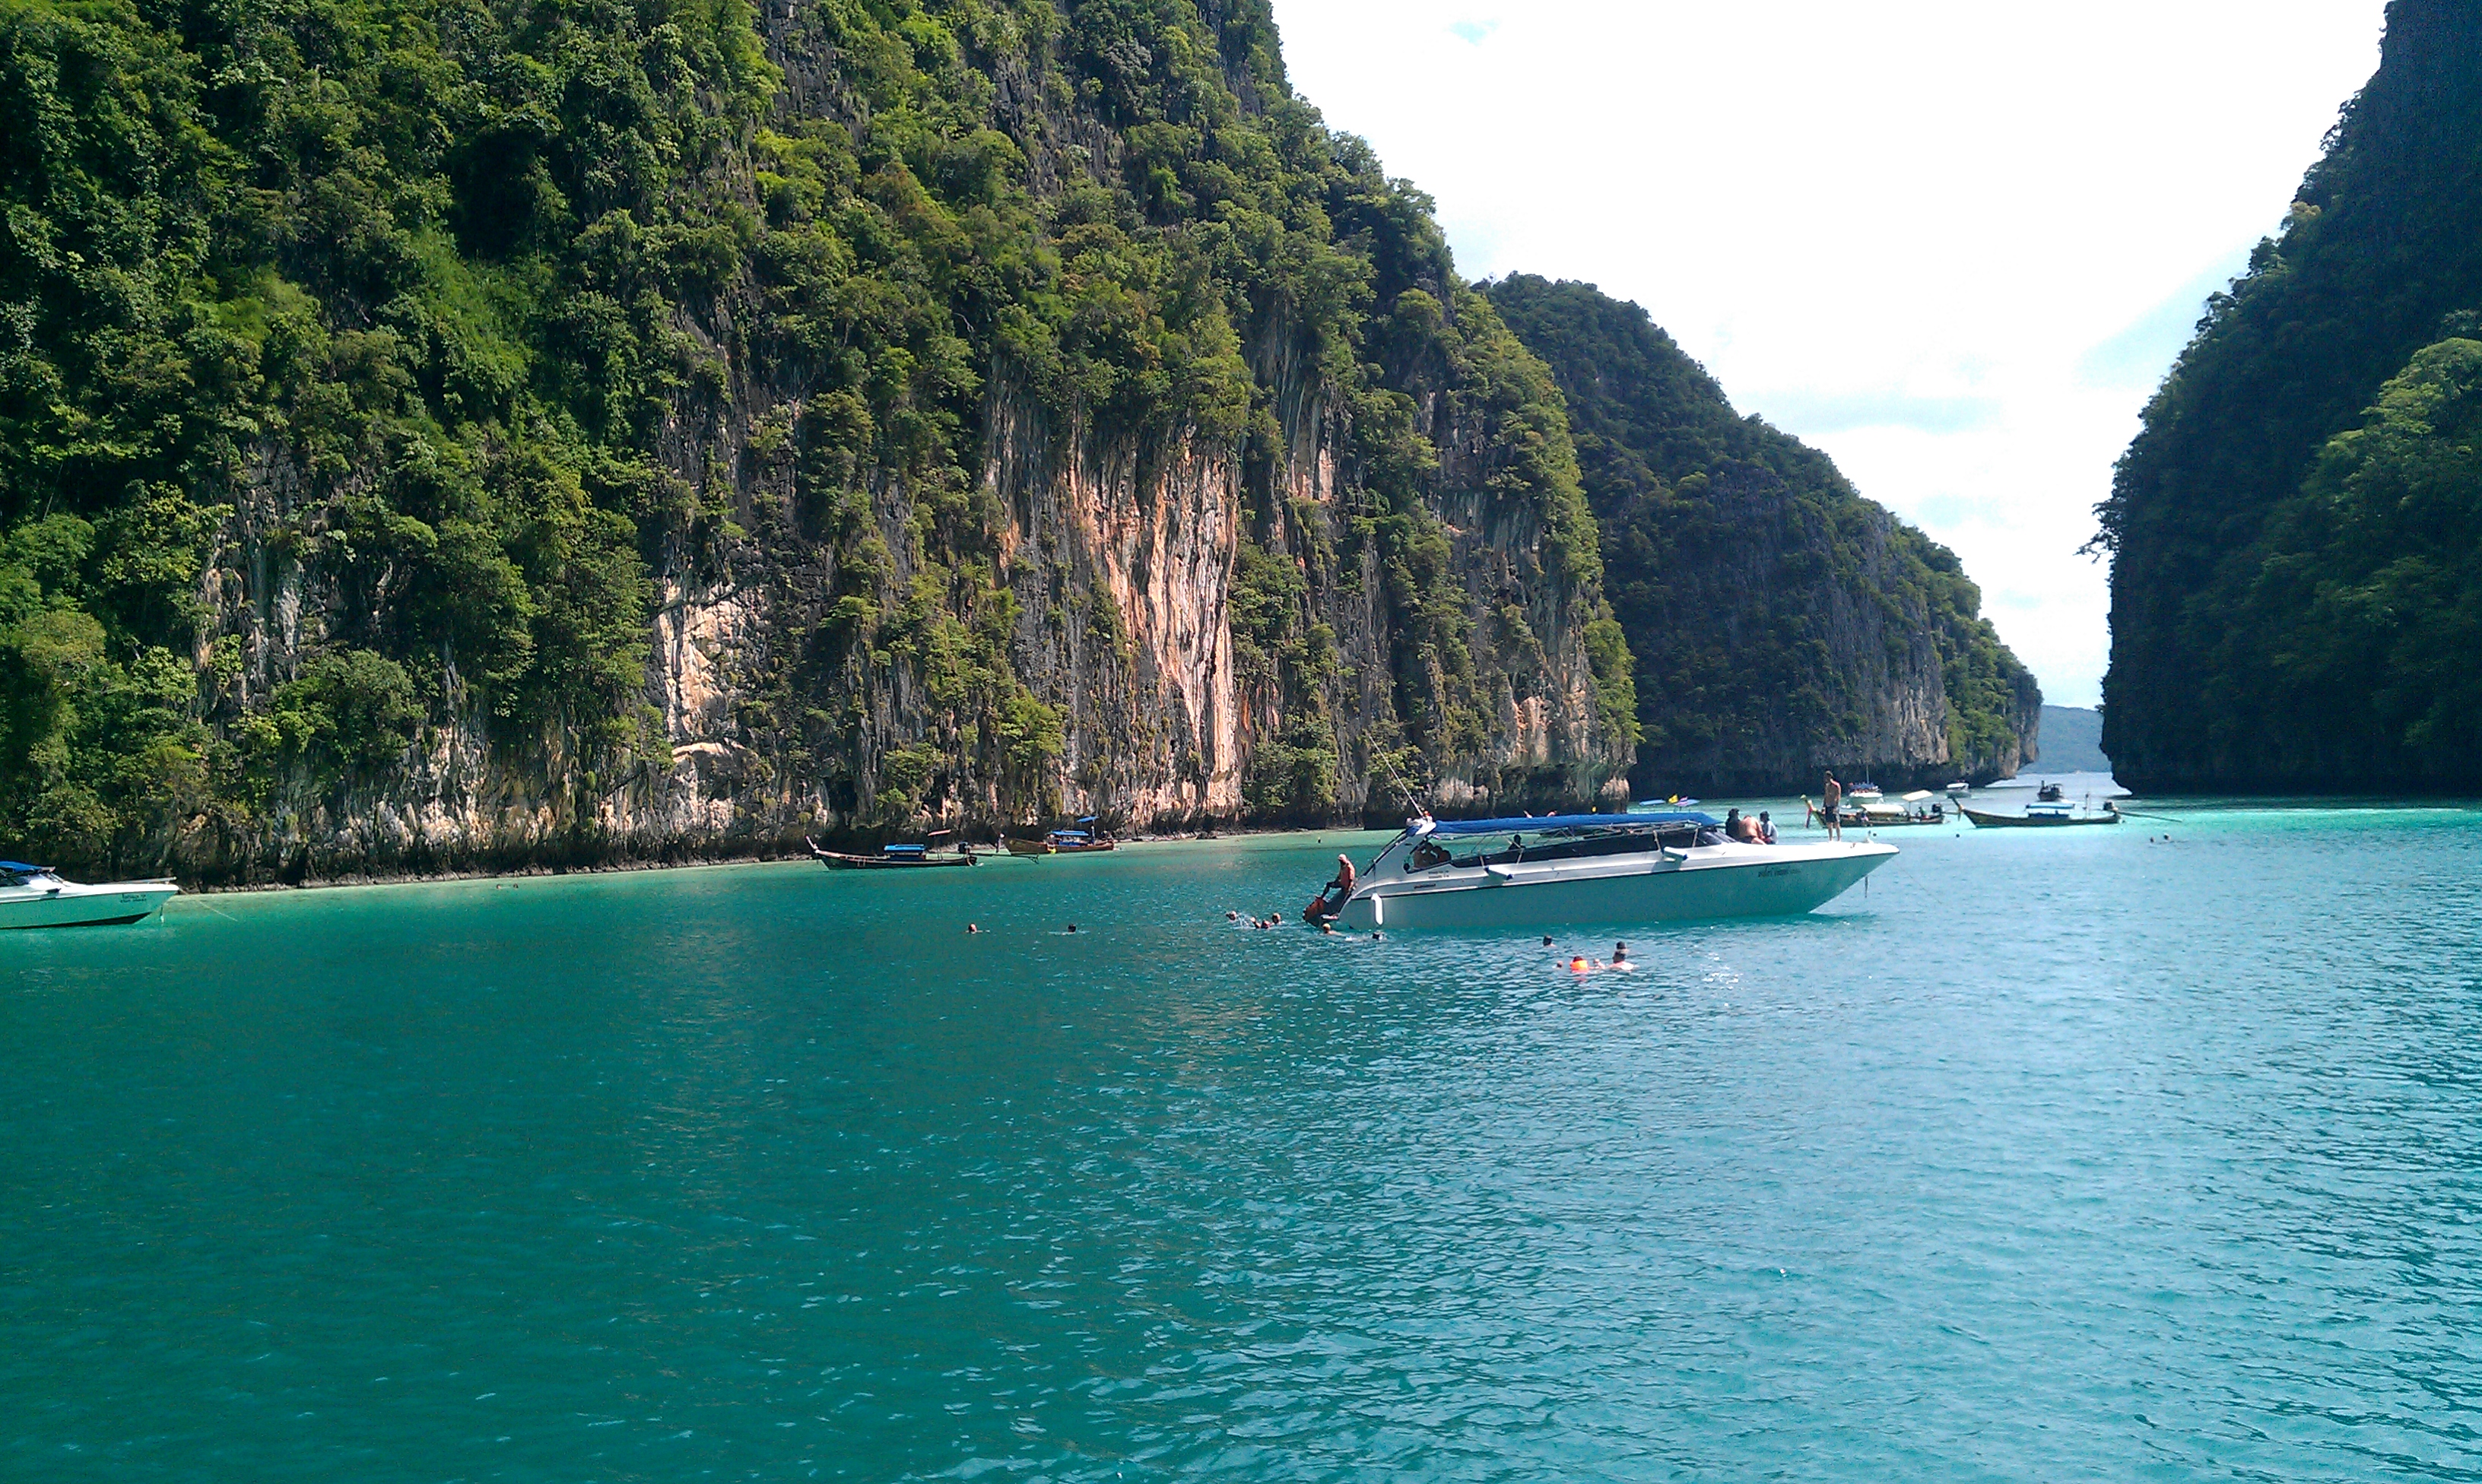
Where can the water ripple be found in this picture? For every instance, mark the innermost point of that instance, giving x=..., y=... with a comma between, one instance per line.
x=2054, y=1157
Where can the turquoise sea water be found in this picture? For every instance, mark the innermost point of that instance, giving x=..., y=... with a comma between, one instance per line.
x=2058, y=1155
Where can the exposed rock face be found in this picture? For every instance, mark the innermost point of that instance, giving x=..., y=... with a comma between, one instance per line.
x=1099, y=572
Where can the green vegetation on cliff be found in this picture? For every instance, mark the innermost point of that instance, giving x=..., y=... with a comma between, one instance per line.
x=2297, y=529
x=1776, y=617
x=371, y=372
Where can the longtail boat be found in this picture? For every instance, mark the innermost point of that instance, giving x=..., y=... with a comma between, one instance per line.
x=2039, y=815
x=1081, y=840
x=897, y=857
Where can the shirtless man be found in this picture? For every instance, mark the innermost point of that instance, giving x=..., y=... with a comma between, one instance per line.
x=1834, y=793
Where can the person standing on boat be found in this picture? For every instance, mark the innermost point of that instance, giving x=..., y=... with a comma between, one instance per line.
x=1834, y=795
x=1341, y=889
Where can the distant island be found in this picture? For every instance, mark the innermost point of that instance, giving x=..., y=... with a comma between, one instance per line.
x=2071, y=740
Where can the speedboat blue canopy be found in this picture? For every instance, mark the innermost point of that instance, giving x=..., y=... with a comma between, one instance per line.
x=19, y=867
x=1521, y=826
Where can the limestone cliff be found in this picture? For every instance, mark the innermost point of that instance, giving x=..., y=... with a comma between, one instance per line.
x=1782, y=625
x=670, y=433
x=2296, y=580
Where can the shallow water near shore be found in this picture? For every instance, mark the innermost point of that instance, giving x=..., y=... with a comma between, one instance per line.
x=2076, y=1154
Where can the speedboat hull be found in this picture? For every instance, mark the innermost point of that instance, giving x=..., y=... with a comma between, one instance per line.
x=69, y=904
x=1713, y=881
x=839, y=860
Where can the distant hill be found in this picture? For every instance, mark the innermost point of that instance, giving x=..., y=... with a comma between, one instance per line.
x=1781, y=623
x=2072, y=742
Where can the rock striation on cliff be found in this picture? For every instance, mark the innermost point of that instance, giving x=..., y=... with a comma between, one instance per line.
x=436, y=437
x=1781, y=623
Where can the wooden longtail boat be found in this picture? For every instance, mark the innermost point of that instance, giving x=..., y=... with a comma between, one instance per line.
x=888, y=858
x=2040, y=817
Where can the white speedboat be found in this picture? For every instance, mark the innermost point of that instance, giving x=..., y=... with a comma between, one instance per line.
x=36, y=897
x=1594, y=868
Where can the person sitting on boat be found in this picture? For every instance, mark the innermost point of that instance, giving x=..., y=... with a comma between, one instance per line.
x=1342, y=885
x=1766, y=829
x=1738, y=830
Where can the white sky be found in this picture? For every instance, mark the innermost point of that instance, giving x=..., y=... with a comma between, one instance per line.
x=1954, y=244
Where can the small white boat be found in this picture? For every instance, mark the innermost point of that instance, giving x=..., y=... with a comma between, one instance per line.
x=36, y=897
x=1594, y=868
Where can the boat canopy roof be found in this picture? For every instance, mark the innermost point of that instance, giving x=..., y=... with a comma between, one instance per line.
x=1521, y=826
x=21, y=867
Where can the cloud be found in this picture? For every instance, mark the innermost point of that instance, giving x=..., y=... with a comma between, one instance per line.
x=1826, y=412
x=1954, y=244
x=2137, y=358
x=1473, y=32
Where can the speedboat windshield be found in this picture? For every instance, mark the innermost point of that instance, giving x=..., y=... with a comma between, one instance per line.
x=1429, y=843
x=1550, y=823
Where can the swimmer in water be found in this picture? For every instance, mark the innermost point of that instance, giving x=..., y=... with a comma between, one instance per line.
x=1072, y=928
x=974, y=927
x=1619, y=955
x=1547, y=939
x=1232, y=917
x=1581, y=965
x=1327, y=927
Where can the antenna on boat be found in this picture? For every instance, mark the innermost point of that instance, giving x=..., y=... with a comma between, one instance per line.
x=1410, y=802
